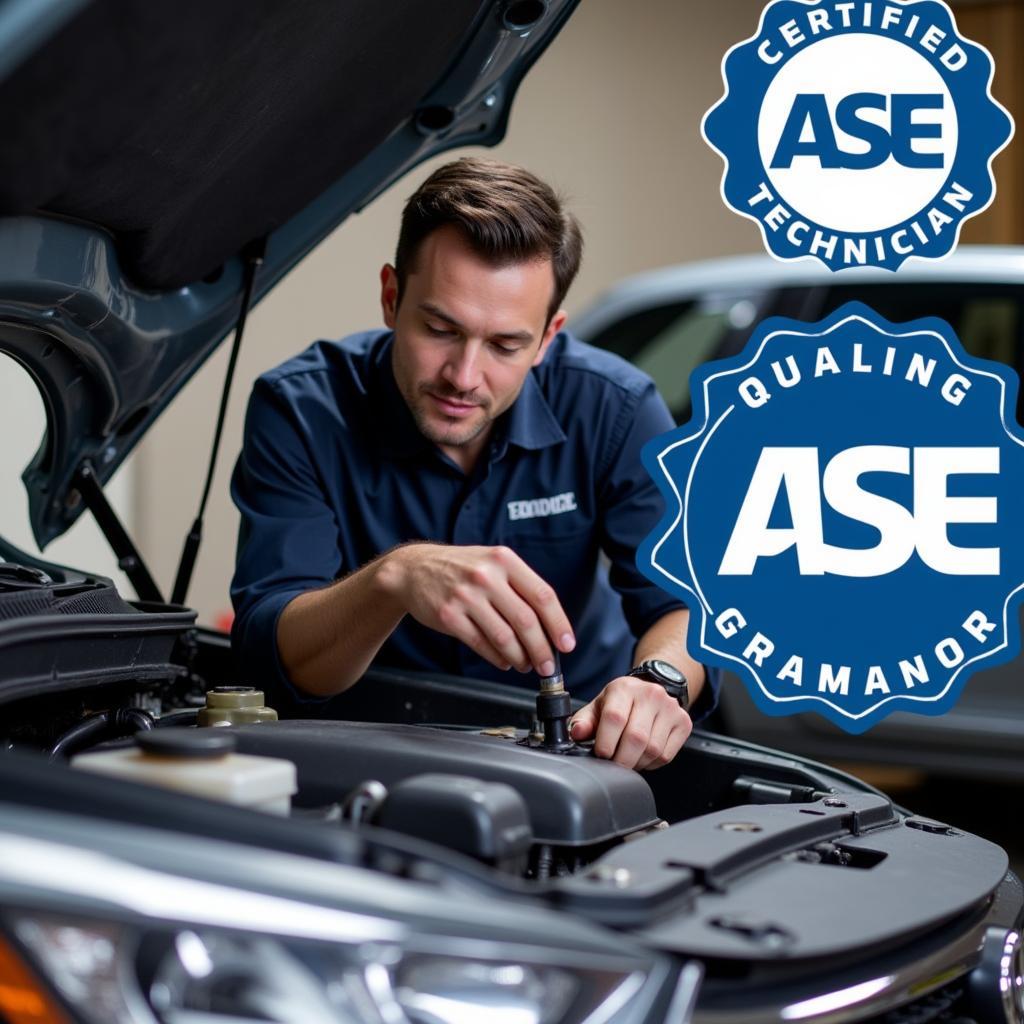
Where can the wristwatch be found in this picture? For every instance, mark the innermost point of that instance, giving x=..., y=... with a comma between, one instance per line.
x=666, y=675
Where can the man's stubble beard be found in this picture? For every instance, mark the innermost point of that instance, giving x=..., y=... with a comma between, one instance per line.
x=448, y=435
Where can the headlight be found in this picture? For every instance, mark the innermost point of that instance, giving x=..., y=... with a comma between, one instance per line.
x=147, y=945
x=115, y=975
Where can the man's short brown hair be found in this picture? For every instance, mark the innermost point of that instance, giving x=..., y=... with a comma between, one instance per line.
x=506, y=214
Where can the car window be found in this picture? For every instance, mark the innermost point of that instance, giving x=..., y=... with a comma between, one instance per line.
x=986, y=318
x=670, y=341
x=629, y=334
x=674, y=353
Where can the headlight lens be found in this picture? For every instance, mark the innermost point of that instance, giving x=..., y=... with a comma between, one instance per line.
x=436, y=989
x=117, y=974
x=83, y=963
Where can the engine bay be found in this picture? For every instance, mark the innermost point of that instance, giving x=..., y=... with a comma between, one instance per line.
x=734, y=853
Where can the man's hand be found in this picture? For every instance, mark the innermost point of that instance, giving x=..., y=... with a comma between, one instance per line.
x=634, y=723
x=487, y=597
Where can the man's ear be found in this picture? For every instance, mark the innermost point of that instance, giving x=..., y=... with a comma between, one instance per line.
x=555, y=324
x=388, y=295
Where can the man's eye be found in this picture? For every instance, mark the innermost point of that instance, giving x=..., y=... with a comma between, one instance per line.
x=506, y=350
x=441, y=332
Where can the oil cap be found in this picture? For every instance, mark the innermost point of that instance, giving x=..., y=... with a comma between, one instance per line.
x=186, y=744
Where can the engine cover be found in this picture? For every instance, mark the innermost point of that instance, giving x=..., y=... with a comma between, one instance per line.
x=572, y=801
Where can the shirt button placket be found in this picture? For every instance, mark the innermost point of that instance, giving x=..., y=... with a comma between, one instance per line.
x=463, y=531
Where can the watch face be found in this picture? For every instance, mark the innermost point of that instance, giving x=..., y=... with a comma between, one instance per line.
x=668, y=671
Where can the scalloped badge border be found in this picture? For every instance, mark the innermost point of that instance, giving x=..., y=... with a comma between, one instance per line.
x=653, y=457
x=808, y=257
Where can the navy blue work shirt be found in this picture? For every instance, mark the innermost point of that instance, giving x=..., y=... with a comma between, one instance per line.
x=334, y=471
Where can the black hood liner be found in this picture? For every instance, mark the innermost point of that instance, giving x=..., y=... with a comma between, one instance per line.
x=189, y=128
x=146, y=144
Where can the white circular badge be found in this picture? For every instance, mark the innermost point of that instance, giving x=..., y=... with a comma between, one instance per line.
x=847, y=152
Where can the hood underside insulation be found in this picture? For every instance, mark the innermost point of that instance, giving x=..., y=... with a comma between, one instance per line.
x=188, y=129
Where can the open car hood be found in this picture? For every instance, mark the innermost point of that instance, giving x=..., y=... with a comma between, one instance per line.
x=146, y=145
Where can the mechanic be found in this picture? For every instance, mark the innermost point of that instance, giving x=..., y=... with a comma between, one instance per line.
x=435, y=495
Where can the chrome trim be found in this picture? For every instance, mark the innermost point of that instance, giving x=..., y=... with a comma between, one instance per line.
x=1011, y=978
x=684, y=998
x=70, y=871
x=820, y=1006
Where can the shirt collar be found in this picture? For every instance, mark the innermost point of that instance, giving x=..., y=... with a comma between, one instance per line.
x=529, y=423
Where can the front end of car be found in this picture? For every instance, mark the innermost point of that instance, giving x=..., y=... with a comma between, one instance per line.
x=743, y=886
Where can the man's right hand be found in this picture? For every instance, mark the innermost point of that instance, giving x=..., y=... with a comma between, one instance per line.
x=487, y=597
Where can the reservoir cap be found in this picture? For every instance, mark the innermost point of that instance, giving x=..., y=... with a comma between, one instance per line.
x=188, y=744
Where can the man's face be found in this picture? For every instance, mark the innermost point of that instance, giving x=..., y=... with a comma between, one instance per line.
x=466, y=335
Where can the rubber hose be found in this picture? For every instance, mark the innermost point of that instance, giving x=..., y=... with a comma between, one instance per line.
x=105, y=724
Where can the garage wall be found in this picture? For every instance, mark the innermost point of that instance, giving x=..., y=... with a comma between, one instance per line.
x=999, y=26
x=611, y=114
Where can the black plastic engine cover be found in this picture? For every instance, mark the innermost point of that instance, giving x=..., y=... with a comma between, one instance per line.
x=573, y=801
x=485, y=820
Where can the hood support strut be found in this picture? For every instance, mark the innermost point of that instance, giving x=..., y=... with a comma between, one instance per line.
x=252, y=257
x=128, y=558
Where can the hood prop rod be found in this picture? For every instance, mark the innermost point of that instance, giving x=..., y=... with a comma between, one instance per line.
x=129, y=561
x=252, y=256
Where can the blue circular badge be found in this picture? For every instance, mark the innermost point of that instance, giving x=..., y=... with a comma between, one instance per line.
x=843, y=516
x=858, y=133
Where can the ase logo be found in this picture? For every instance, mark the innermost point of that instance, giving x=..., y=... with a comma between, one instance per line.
x=858, y=132
x=845, y=516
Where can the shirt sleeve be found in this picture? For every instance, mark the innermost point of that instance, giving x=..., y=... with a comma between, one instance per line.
x=287, y=538
x=631, y=507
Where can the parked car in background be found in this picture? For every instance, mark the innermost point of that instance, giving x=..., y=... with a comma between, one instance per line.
x=669, y=321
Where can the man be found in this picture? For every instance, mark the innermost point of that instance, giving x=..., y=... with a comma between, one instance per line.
x=435, y=495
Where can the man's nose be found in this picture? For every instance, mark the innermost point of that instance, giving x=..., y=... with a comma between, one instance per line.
x=462, y=371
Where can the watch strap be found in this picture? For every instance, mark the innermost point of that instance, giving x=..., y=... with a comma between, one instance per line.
x=648, y=670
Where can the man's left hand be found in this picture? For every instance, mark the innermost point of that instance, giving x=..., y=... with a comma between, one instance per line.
x=634, y=723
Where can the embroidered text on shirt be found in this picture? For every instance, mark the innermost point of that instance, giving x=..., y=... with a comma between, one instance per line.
x=553, y=506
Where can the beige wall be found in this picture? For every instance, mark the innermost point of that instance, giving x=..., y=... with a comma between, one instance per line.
x=611, y=114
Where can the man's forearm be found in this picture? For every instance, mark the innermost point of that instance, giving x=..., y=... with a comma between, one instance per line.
x=486, y=597
x=327, y=638
x=666, y=640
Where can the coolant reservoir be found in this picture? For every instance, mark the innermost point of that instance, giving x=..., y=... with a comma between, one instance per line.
x=202, y=762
